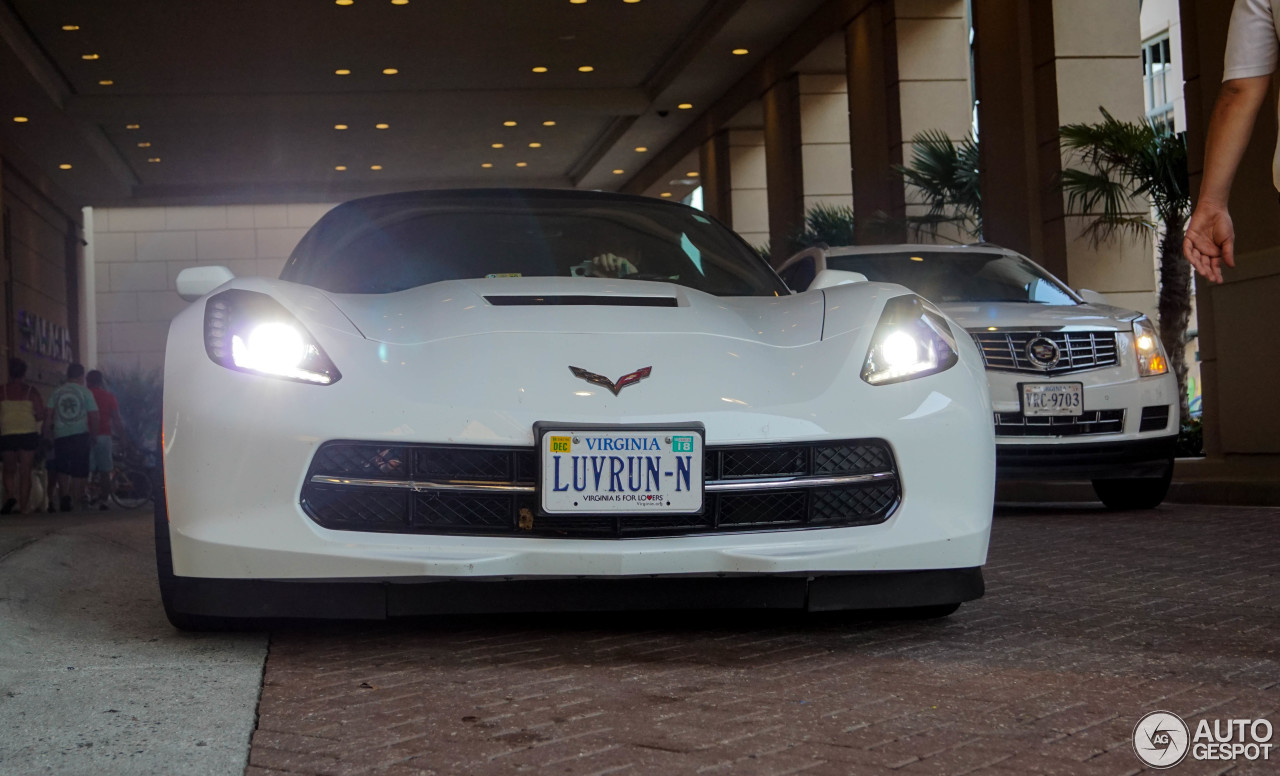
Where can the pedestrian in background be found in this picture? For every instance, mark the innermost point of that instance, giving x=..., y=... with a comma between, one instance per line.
x=72, y=413
x=21, y=413
x=109, y=419
x=1253, y=50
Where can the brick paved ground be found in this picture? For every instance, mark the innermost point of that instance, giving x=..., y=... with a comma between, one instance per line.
x=1091, y=619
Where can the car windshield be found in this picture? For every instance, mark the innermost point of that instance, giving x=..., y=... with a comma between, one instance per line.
x=948, y=276
x=387, y=244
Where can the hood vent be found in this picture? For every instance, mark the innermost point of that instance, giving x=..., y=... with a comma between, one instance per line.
x=565, y=300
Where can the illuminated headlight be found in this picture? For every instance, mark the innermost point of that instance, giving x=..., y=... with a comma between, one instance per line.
x=1151, y=359
x=911, y=340
x=251, y=332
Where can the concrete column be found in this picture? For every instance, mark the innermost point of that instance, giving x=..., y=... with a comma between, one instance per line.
x=1041, y=64
x=783, y=161
x=717, y=180
x=875, y=129
x=1238, y=375
x=748, y=192
x=824, y=140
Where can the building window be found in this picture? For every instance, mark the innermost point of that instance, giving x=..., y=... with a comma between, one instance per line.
x=1156, y=64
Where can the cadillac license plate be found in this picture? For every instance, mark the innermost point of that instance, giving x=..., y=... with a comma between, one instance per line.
x=1054, y=399
x=602, y=469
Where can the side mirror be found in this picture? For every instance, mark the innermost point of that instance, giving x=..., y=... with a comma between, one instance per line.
x=1092, y=297
x=195, y=282
x=836, y=277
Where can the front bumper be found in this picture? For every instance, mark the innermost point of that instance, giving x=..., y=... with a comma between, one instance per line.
x=1127, y=459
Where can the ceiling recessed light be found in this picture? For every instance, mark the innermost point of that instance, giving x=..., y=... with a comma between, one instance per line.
x=144, y=144
x=740, y=52
x=20, y=119
x=630, y=1
x=339, y=126
x=382, y=126
x=498, y=145
x=685, y=106
x=389, y=71
x=535, y=145
x=508, y=123
x=153, y=159
x=586, y=69
x=641, y=149
x=340, y=167
x=133, y=126
x=375, y=167
x=64, y=167
x=106, y=82
x=665, y=194
x=548, y=123
x=344, y=2
x=618, y=172
x=691, y=174
x=577, y=2
x=89, y=56
x=399, y=2
x=539, y=69
x=487, y=165
x=522, y=164
x=70, y=27
x=342, y=71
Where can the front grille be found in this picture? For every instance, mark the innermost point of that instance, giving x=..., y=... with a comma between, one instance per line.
x=1015, y=424
x=1078, y=350
x=399, y=494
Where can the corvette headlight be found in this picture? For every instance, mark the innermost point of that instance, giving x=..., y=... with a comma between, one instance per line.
x=1151, y=359
x=911, y=340
x=251, y=332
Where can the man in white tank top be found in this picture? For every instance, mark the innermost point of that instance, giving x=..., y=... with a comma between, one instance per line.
x=1253, y=50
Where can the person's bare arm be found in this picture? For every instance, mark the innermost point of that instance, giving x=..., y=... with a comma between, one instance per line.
x=1210, y=236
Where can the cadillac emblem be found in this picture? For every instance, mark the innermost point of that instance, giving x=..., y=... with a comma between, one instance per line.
x=628, y=379
x=1043, y=352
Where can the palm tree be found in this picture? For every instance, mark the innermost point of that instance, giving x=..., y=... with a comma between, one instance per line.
x=1122, y=162
x=945, y=175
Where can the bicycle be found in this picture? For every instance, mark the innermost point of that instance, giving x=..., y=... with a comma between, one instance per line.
x=129, y=483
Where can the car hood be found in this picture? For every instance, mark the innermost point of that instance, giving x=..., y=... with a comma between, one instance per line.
x=460, y=308
x=1081, y=317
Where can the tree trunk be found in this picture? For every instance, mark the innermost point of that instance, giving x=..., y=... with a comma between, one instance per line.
x=1174, y=306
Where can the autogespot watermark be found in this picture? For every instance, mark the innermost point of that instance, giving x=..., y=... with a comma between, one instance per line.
x=1162, y=740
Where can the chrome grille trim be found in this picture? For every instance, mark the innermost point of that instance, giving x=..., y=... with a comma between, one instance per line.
x=1080, y=350
x=712, y=486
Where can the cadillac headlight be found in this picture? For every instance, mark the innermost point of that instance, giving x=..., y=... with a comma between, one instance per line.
x=1151, y=358
x=251, y=332
x=911, y=340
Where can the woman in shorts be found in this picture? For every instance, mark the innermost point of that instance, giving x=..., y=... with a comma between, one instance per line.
x=21, y=412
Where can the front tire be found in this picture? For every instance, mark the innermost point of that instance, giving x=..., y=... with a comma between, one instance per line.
x=1135, y=493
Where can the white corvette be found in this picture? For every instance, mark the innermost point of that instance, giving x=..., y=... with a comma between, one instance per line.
x=555, y=400
x=1079, y=390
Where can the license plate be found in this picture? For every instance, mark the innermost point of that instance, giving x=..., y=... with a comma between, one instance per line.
x=1055, y=399
x=620, y=470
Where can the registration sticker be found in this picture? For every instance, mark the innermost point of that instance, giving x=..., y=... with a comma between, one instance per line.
x=593, y=470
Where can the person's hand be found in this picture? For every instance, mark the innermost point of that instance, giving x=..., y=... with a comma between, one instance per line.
x=612, y=265
x=1210, y=240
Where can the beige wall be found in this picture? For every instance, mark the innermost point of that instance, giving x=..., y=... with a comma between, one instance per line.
x=138, y=252
x=748, y=186
x=824, y=140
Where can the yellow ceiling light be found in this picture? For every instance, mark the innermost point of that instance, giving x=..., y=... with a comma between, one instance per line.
x=339, y=126
x=375, y=167
x=399, y=2
x=741, y=52
x=586, y=69
x=389, y=71
x=577, y=2
x=618, y=172
x=341, y=168
x=342, y=71
x=641, y=149
x=20, y=119
x=508, y=123
x=487, y=165
x=90, y=57
x=630, y=1
x=685, y=106
x=498, y=145
x=548, y=123
x=522, y=164
x=665, y=194
x=382, y=126
x=916, y=258
x=344, y=2
x=539, y=69
x=144, y=144
x=535, y=145
x=691, y=174
x=64, y=167
x=106, y=82
x=70, y=27
x=133, y=126
x=153, y=159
